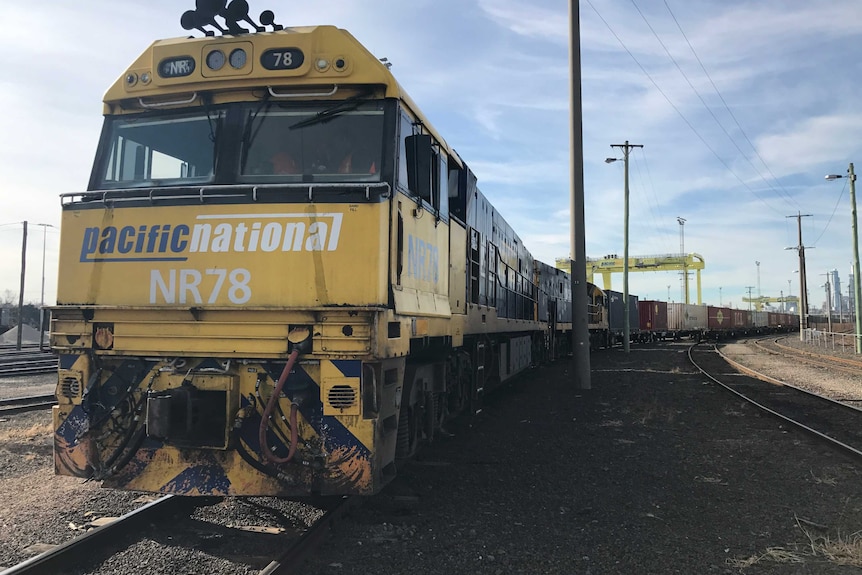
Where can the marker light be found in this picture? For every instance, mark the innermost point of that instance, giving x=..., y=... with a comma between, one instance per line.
x=322, y=64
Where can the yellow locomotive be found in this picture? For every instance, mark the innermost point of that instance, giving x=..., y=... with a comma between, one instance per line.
x=281, y=279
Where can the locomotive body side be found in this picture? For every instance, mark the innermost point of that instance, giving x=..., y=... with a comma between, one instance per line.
x=241, y=314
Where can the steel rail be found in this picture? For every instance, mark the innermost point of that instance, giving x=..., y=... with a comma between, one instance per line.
x=818, y=434
x=22, y=404
x=64, y=556
x=309, y=541
x=831, y=359
x=31, y=368
x=763, y=377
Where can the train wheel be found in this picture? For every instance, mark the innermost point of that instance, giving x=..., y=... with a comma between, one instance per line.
x=408, y=432
x=460, y=370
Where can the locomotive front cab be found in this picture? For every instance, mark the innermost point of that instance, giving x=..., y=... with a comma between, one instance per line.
x=240, y=283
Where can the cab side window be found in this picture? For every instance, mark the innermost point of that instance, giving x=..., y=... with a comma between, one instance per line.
x=406, y=128
x=423, y=167
x=440, y=182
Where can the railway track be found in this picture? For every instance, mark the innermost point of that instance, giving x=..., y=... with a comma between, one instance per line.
x=165, y=515
x=844, y=364
x=837, y=423
x=76, y=551
x=29, y=403
x=289, y=561
x=27, y=361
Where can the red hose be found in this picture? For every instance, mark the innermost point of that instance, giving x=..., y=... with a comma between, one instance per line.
x=270, y=405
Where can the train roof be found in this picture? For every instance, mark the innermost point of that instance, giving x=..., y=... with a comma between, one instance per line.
x=326, y=62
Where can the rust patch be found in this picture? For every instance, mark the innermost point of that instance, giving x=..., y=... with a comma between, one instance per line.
x=350, y=470
x=70, y=459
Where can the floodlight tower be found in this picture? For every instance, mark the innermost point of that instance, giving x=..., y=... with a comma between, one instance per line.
x=684, y=260
x=758, y=278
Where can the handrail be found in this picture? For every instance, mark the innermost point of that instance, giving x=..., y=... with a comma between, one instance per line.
x=275, y=94
x=169, y=103
x=214, y=191
x=826, y=339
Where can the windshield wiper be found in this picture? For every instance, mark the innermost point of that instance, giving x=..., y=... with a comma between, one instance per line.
x=325, y=115
x=331, y=112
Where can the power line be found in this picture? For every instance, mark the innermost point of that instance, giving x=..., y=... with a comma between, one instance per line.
x=832, y=215
x=677, y=110
x=705, y=105
x=652, y=201
x=726, y=107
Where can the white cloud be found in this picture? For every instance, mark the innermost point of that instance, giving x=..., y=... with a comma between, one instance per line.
x=528, y=19
x=810, y=142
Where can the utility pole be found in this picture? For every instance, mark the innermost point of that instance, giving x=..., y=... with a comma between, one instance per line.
x=803, y=284
x=856, y=286
x=857, y=290
x=828, y=287
x=21, y=291
x=626, y=148
x=749, y=288
x=42, y=300
x=578, y=269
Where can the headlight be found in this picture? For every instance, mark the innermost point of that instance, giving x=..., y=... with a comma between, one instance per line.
x=215, y=60
x=238, y=58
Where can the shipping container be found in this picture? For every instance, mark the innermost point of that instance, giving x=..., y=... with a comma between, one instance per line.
x=653, y=316
x=686, y=317
x=718, y=318
x=616, y=316
x=762, y=319
x=741, y=319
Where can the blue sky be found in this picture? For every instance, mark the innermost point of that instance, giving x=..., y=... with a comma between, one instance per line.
x=742, y=107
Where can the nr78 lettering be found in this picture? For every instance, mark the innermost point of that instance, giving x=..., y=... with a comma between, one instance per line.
x=185, y=286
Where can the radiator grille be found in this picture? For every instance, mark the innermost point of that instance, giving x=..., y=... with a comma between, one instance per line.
x=70, y=385
x=342, y=396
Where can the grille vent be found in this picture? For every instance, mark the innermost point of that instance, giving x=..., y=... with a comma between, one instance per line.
x=70, y=385
x=342, y=396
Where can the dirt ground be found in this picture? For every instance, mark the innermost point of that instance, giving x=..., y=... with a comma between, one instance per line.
x=653, y=470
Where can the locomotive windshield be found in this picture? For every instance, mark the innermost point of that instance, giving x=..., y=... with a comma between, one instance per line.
x=336, y=143
x=159, y=150
x=243, y=143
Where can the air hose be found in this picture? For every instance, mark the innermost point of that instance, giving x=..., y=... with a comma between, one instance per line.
x=270, y=406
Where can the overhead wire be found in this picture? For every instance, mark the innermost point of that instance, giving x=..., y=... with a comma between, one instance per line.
x=742, y=130
x=652, y=206
x=679, y=112
x=668, y=237
x=832, y=215
x=723, y=101
x=783, y=192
